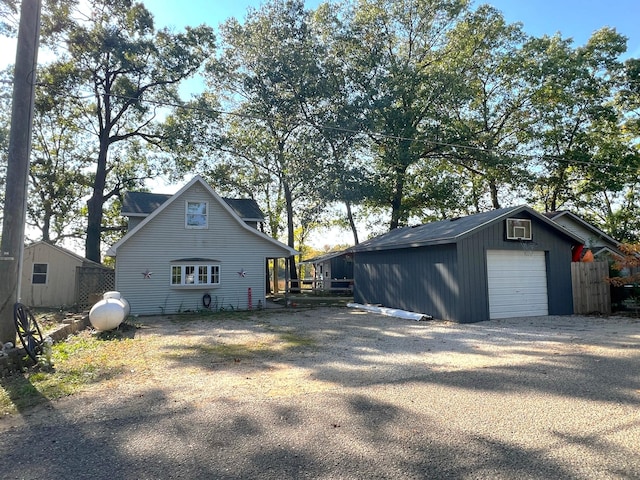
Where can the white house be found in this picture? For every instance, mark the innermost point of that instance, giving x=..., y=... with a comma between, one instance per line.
x=601, y=245
x=194, y=250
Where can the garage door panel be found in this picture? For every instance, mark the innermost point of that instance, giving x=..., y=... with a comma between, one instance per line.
x=532, y=284
x=517, y=283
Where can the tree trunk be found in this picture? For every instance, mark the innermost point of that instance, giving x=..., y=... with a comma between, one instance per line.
x=46, y=228
x=493, y=188
x=293, y=272
x=95, y=205
x=396, y=200
x=352, y=222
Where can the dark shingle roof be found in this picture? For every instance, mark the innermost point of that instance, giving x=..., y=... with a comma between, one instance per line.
x=141, y=204
x=446, y=231
x=325, y=257
x=136, y=204
x=246, y=208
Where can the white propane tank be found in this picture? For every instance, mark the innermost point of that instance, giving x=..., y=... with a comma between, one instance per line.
x=118, y=296
x=107, y=314
x=127, y=307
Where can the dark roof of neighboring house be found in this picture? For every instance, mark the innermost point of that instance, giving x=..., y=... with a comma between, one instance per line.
x=325, y=257
x=449, y=231
x=141, y=204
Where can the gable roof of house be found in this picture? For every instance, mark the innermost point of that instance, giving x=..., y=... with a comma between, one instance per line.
x=141, y=204
x=452, y=230
x=587, y=226
x=198, y=179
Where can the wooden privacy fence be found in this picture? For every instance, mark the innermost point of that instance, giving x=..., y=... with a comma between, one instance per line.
x=591, y=291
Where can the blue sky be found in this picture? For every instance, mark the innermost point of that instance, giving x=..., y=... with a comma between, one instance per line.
x=577, y=19
x=572, y=18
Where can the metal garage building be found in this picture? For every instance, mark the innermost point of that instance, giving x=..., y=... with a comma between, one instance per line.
x=509, y=262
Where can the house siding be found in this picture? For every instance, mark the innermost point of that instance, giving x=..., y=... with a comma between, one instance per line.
x=419, y=279
x=591, y=239
x=164, y=238
x=61, y=273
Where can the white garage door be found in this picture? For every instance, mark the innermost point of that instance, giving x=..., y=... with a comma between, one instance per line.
x=517, y=283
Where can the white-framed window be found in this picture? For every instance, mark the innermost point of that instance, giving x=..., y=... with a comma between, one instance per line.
x=196, y=215
x=39, y=274
x=195, y=275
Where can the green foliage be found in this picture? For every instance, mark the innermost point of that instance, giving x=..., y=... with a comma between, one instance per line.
x=8, y=17
x=411, y=110
x=111, y=75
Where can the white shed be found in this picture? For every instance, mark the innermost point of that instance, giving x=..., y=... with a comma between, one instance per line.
x=49, y=275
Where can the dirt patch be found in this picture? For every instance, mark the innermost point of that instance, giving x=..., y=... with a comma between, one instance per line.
x=290, y=352
x=339, y=393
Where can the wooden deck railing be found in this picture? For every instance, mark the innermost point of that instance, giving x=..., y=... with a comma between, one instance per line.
x=333, y=285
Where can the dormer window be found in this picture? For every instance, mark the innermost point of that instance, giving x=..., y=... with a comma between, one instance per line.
x=196, y=215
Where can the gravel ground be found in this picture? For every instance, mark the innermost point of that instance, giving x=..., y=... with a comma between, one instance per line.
x=337, y=393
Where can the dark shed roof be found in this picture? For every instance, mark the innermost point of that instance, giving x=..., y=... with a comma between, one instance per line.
x=141, y=204
x=449, y=231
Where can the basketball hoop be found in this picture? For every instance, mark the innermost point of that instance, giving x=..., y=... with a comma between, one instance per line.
x=527, y=246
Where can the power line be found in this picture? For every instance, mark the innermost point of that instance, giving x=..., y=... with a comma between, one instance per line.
x=388, y=136
x=541, y=157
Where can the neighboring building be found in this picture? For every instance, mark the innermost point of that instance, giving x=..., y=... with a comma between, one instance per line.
x=504, y=263
x=50, y=276
x=193, y=250
x=601, y=245
x=331, y=270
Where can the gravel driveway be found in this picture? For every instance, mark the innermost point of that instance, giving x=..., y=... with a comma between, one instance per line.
x=337, y=393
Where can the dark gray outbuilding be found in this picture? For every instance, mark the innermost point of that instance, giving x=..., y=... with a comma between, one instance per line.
x=453, y=269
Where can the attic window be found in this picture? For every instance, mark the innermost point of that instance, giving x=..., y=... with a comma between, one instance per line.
x=518, y=229
x=196, y=215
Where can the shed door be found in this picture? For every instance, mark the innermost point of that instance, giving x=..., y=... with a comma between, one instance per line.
x=517, y=283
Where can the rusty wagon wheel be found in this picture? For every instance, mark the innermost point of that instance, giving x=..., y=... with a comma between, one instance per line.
x=28, y=331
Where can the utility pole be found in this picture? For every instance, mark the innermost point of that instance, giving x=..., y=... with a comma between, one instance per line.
x=15, y=204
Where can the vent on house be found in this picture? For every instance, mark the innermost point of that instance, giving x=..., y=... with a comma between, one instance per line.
x=518, y=229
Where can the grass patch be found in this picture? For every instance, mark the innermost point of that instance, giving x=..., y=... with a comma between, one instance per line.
x=294, y=340
x=87, y=358
x=276, y=343
x=235, y=351
x=81, y=360
x=212, y=315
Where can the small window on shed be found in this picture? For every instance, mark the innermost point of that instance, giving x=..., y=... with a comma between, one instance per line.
x=39, y=275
